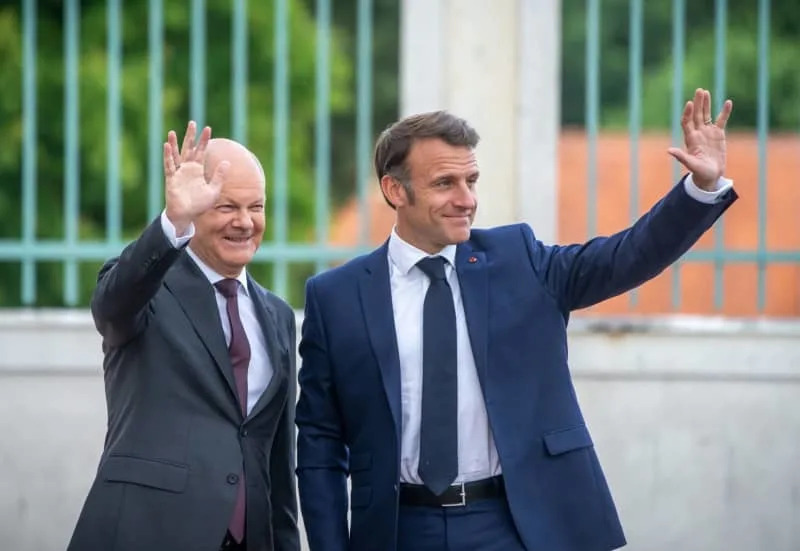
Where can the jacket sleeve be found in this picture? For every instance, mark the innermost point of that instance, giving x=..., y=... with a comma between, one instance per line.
x=125, y=285
x=579, y=276
x=321, y=451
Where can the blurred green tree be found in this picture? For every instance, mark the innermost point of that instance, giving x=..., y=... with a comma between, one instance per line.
x=133, y=141
x=741, y=61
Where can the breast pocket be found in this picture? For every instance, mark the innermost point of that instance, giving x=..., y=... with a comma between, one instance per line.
x=162, y=475
x=566, y=440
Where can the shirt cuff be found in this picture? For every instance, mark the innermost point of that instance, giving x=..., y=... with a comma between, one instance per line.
x=171, y=233
x=709, y=197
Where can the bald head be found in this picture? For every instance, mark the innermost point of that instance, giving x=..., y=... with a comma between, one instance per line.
x=244, y=165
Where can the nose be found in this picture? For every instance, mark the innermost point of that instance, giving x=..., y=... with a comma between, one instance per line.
x=243, y=220
x=465, y=196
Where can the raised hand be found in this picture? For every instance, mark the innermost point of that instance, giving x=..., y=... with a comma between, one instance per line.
x=704, y=139
x=188, y=194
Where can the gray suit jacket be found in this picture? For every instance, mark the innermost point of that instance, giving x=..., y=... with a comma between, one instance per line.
x=176, y=440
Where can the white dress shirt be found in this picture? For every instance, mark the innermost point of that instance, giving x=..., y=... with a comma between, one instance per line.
x=477, y=454
x=259, y=371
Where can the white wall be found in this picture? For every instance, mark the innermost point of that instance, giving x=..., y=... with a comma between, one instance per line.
x=696, y=423
x=497, y=64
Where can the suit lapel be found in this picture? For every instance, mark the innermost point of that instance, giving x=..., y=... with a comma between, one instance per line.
x=267, y=319
x=474, y=283
x=196, y=297
x=376, y=303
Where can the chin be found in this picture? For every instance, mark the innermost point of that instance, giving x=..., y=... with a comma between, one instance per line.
x=459, y=236
x=241, y=259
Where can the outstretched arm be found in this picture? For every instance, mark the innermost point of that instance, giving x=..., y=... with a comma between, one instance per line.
x=582, y=275
x=126, y=284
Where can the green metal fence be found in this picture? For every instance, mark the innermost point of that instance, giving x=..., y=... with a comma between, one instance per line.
x=762, y=256
x=280, y=251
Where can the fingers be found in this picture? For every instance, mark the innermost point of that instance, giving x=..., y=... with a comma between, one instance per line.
x=699, y=109
x=172, y=142
x=169, y=161
x=687, y=119
x=681, y=156
x=724, y=114
x=188, y=141
x=205, y=135
x=219, y=174
x=192, y=149
x=706, y=107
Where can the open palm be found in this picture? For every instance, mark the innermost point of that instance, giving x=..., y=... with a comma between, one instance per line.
x=704, y=140
x=188, y=193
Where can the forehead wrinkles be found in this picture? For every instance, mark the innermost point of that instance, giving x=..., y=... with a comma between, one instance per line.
x=452, y=166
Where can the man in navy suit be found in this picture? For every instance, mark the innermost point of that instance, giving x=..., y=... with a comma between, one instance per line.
x=435, y=370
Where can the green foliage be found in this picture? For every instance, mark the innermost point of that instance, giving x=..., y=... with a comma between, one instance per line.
x=132, y=146
x=741, y=69
x=741, y=61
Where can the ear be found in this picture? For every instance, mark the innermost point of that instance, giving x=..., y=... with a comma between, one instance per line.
x=394, y=191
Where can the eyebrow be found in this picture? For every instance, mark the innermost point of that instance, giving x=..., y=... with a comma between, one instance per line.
x=451, y=175
x=224, y=200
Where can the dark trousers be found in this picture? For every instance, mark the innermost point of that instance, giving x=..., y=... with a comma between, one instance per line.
x=484, y=525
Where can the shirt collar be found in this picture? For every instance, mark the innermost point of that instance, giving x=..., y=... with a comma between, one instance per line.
x=405, y=256
x=212, y=276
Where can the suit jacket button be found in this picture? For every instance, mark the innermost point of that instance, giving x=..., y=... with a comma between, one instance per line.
x=242, y=432
x=233, y=478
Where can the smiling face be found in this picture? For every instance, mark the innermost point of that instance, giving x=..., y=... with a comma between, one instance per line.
x=442, y=202
x=228, y=235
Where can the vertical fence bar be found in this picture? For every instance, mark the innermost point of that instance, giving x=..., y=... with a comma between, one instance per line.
x=720, y=25
x=364, y=115
x=592, y=108
x=678, y=49
x=29, y=158
x=762, y=123
x=635, y=102
x=113, y=120
x=198, y=63
x=71, y=147
x=239, y=72
x=155, y=137
x=322, y=152
x=281, y=132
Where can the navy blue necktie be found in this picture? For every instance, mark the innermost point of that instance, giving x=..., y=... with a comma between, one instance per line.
x=239, y=349
x=438, y=441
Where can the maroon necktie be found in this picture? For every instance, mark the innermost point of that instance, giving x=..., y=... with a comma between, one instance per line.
x=239, y=349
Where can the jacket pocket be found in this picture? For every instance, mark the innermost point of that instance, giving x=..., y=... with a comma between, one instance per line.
x=152, y=473
x=565, y=440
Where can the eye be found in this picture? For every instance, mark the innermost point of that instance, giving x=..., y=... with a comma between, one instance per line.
x=225, y=208
x=257, y=208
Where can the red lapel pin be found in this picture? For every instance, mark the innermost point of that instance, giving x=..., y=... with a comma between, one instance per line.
x=472, y=259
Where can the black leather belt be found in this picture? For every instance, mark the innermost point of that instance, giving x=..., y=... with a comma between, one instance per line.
x=454, y=496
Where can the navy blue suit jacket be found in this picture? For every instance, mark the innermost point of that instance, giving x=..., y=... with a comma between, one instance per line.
x=517, y=294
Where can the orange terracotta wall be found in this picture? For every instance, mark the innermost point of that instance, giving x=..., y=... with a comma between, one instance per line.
x=739, y=229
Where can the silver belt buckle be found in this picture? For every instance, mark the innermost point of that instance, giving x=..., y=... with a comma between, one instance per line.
x=463, y=495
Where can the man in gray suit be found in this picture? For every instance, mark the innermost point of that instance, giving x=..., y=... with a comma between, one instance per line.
x=199, y=372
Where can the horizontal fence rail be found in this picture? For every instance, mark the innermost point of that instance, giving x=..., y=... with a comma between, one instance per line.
x=288, y=254
x=280, y=251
